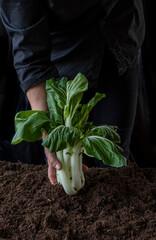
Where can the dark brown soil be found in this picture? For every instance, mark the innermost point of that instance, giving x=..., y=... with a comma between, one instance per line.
x=114, y=204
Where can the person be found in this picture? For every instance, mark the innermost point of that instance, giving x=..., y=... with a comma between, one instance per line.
x=99, y=38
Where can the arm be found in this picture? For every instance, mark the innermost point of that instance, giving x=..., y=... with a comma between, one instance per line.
x=37, y=98
x=27, y=26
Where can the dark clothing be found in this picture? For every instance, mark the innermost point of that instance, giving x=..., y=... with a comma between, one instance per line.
x=63, y=27
x=98, y=38
x=119, y=106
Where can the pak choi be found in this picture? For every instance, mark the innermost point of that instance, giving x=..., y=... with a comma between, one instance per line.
x=69, y=133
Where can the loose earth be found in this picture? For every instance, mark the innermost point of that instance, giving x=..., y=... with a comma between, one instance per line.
x=114, y=204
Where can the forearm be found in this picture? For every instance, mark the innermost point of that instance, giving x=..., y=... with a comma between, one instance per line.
x=38, y=101
x=37, y=97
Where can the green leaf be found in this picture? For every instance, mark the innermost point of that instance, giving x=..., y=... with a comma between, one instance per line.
x=56, y=99
x=76, y=86
x=87, y=128
x=75, y=90
x=109, y=132
x=29, y=126
x=83, y=115
x=58, y=88
x=61, y=137
x=105, y=150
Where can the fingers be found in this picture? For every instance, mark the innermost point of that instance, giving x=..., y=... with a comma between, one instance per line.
x=85, y=168
x=53, y=165
x=52, y=159
x=52, y=175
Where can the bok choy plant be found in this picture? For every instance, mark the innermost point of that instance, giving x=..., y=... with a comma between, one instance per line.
x=69, y=133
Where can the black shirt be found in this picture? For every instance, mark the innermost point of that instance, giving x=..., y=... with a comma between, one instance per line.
x=63, y=37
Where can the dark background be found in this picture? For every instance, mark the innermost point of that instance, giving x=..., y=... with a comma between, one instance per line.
x=143, y=146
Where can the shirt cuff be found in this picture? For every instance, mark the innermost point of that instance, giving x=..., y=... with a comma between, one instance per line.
x=38, y=77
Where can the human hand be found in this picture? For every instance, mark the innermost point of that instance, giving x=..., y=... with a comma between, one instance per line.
x=54, y=164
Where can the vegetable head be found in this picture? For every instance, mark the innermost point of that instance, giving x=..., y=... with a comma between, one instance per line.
x=69, y=133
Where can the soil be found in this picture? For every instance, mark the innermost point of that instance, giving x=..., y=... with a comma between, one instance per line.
x=114, y=204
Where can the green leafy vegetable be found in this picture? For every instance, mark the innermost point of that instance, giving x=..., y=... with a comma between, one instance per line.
x=29, y=126
x=69, y=133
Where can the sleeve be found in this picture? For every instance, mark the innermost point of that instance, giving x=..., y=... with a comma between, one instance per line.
x=27, y=25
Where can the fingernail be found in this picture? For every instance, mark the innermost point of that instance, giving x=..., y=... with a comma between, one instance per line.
x=57, y=166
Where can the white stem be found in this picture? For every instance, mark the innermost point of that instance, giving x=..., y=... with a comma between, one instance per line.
x=67, y=160
x=63, y=176
x=68, y=121
x=71, y=176
x=76, y=167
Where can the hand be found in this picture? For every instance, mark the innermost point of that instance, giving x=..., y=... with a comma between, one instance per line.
x=53, y=165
